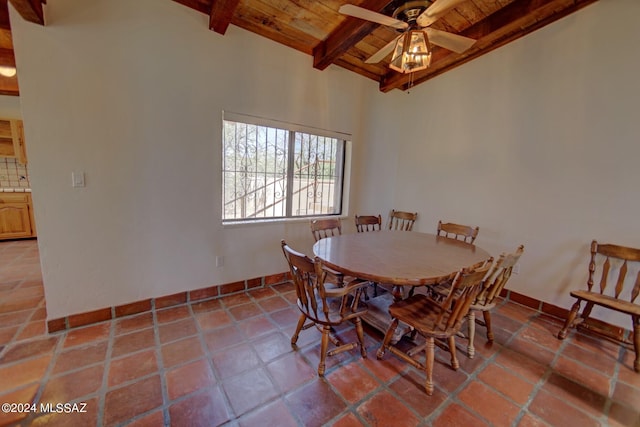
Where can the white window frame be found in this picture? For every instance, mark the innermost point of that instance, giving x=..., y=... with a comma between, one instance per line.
x=292, y=128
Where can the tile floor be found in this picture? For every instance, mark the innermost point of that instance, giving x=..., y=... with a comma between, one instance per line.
x=229, y=362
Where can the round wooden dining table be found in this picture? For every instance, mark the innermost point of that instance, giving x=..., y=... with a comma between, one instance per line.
x=403, y=258
x=399, y=258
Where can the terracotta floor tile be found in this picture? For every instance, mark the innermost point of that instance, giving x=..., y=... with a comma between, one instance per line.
x=519, y=364
x=206, y=306
x=213, y=319
x=15, y=318
x=131, y=367
x=531, y=350
x=245, y=311
x=290, y=371
x=349, y=420
x=529, y=420
x=249, y=390
x=490, y=405
x=178, y=352
x=189, y=378
x=271, y=346
x=559, y=413
x=87, y=334
x=544, y=337
x=127, y=324
x=154, y=419
x=456, y=415
x=286, y=318
x=627, y=395
x=256, y=326
x=173, y=313
x=506, y=383
x=385, y=410
x=410, y=388
x=232, y=361
x=600, y=361
x=126, y=402
x=237, y=299
x=386, y=369
x=177, y=330
x=272, y=304
x=582, y=374
x=7, y=334
x=73, y=385
x=262, y=293
x=26, y=349
x=273, y=414
x=315, y=403
x=626, y=372
x=352, y=382
x=222, y=338
x=32, y=329
x=81, y=356
x=134, y=341
x=24, y=394
x=623, y=416
x=204, y=409
x=22, y=373
x=78, y=415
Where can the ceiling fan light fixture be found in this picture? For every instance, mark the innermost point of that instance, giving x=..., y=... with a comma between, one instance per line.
x=7, y=71
x=412, y=52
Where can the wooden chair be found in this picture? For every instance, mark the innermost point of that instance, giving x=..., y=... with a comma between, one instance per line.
x=458, y=231
x=324, y=306
x=402, y=220
x=327, y=227
x=433, y=319
x=366, y=223
x=613, y=262
x=495, y=281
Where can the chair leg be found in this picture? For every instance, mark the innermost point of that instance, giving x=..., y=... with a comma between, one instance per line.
x=387, y=338
x=570, y=319
x=301, y=320
x=471, y=333
x=428, y=365
x=452, y=349
x=324, y=345
x=360, y=334
x=487, y=322
x=636, y=342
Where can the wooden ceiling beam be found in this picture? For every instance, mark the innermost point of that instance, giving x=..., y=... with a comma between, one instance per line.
x=513, y=21
x=195, y=5
x=343, y=38
x=7, y=58
x=221, y=14
x=4, y=15
x=30, y=10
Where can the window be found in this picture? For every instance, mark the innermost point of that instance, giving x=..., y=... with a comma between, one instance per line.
x=277, y=170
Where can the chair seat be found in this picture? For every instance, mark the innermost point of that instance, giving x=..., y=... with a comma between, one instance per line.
x=421, y=313
x=609, y=302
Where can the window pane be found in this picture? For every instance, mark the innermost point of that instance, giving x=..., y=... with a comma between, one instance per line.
x=257, y=182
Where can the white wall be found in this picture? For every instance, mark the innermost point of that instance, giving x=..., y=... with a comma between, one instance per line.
x=536, y=142
x=10, y=107
x=131, y=93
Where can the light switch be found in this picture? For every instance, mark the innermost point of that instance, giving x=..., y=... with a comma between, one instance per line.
x=77, y=179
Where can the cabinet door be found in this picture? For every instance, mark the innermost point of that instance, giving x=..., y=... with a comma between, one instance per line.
x=14, y=220
x=17, y=133
x=7, y=148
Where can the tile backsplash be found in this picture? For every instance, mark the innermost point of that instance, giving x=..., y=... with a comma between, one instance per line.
x=13, y=174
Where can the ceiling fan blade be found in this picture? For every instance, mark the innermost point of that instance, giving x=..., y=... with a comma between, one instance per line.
x=369, y=15
x=436, y=10
x=382, y=53
x=454, y=42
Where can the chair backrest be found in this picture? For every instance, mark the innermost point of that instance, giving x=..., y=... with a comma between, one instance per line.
x=368, y=223
x=498, y=277
x=458, y=231
x=619, y=271
x=464, y=289
x=327, y=227
x=308, y=278
x=399, y=220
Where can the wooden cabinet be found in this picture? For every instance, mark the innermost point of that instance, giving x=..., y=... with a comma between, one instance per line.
x=12, y=140
x=16, y=216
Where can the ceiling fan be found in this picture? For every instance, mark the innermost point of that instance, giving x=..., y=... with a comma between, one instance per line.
x=411, y=49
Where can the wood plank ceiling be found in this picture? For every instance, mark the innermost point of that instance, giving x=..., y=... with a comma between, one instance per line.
x=315, y=27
